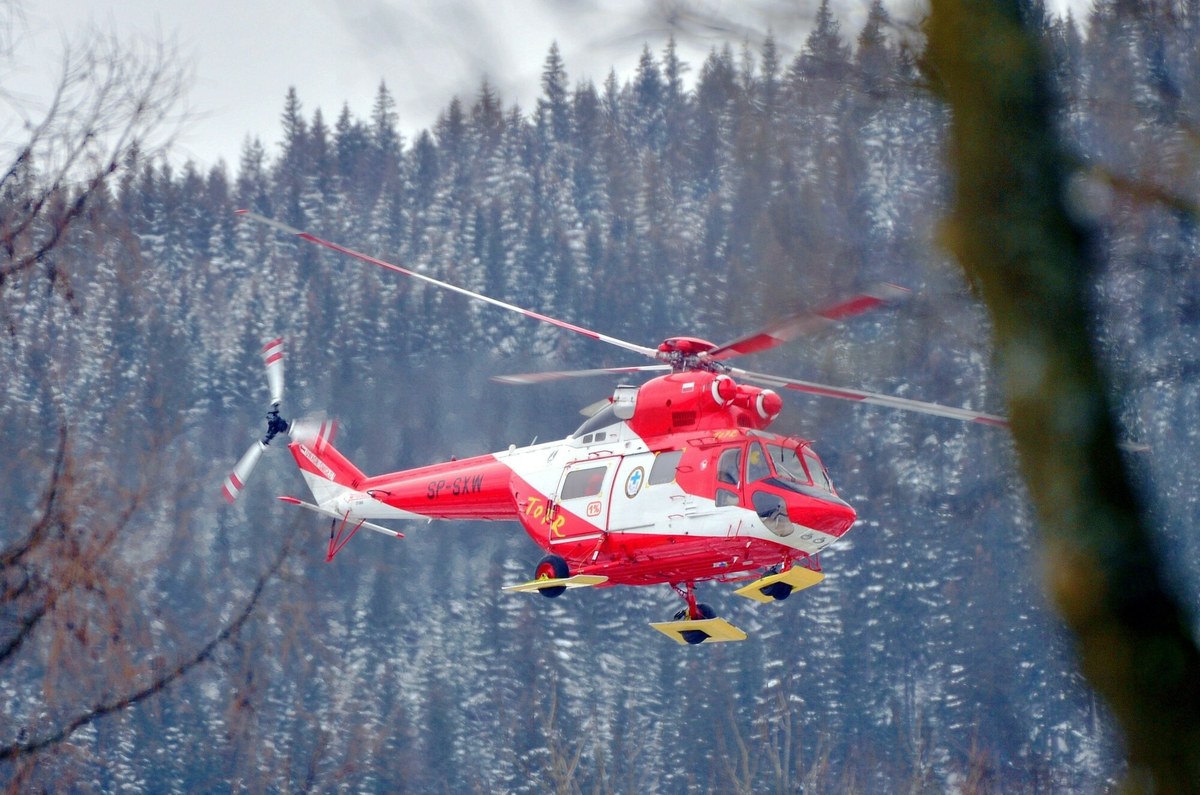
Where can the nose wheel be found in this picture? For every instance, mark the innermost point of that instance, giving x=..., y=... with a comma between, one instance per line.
x=694, y=611
x=697, y=622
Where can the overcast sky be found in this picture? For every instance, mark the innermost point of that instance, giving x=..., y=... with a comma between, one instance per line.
x=244, y=54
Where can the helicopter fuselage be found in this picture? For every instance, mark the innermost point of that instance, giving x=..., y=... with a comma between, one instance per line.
x=702, y=493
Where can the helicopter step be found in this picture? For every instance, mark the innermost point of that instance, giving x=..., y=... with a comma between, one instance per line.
x=578, y=581
x=691, y=631
x=698, y=622
x=776, y=587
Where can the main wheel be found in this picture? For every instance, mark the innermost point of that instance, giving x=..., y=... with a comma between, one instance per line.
x=552, y=567
x=694, y=636
x=778, y=591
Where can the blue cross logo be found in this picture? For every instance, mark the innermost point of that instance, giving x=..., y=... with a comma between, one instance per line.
x=634, y=484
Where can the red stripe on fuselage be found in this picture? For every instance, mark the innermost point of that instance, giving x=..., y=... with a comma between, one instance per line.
x=473, y=488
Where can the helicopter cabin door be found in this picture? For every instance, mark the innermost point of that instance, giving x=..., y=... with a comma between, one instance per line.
x=583, y=498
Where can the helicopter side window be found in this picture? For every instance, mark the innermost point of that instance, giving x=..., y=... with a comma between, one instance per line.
x=583, y=483
x=665, y=464
x=729, y=466
x=726, y=497
x=773, y=512
x=757, y=467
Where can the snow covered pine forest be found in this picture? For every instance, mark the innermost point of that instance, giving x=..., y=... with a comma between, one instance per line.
x=702, y=199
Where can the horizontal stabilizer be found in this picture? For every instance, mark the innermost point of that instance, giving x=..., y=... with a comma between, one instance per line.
x=797, y=578
x=578, y=581
x=704, y=630
x=346, y=518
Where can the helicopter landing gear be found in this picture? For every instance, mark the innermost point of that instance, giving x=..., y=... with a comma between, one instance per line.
x=694, y=611
x=775, y=586
x=777, y=591
x=552, y=577
x=551, y=567
x=697, y=622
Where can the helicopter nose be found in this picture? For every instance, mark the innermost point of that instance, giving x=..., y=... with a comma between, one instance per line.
x=832, y=515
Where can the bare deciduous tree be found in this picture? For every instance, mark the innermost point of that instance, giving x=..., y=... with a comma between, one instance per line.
x=112, y=101
x=73, y=624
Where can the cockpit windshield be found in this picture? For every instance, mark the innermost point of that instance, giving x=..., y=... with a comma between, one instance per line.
x=787, y=464
x=799, y=465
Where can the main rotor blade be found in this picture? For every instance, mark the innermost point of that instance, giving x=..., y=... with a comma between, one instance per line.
x=629, y=346
x=558, y=375
x=807, y=322
x=875, y=398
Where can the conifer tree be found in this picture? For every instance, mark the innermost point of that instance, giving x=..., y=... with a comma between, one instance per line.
x=555, y=91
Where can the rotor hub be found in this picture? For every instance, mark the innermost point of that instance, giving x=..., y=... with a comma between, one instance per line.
x=687, y=353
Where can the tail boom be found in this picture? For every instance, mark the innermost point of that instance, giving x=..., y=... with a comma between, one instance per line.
x=471, y=488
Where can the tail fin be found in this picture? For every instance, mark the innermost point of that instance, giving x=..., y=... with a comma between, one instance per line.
x=334, y=482
x=328, y=473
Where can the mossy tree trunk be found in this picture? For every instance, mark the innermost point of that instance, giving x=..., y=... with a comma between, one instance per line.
x=1013, y=233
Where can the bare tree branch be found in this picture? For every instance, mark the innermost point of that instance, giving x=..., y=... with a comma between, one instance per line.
x=12, y=555
x=159, y=683
x=113, y=101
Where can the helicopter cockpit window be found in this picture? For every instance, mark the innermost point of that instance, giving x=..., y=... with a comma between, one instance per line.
x=583, y=483
x=788, y=465
x=819, y=475
x=757, y=467
x=729, y=466
x=665, y=464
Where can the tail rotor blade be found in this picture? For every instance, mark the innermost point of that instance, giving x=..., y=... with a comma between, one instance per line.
x=272, y=354
x=241, y=472
x=312, y=432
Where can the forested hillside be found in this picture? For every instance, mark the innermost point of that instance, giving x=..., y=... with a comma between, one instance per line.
x=704, y=199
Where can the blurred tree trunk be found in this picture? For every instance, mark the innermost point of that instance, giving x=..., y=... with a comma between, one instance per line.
x=1013, y=233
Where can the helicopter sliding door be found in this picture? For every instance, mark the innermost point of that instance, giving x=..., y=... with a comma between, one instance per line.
x=584, y=496
x=647, y=498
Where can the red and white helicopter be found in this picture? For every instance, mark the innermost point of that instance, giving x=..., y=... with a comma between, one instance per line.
x=676, y=481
